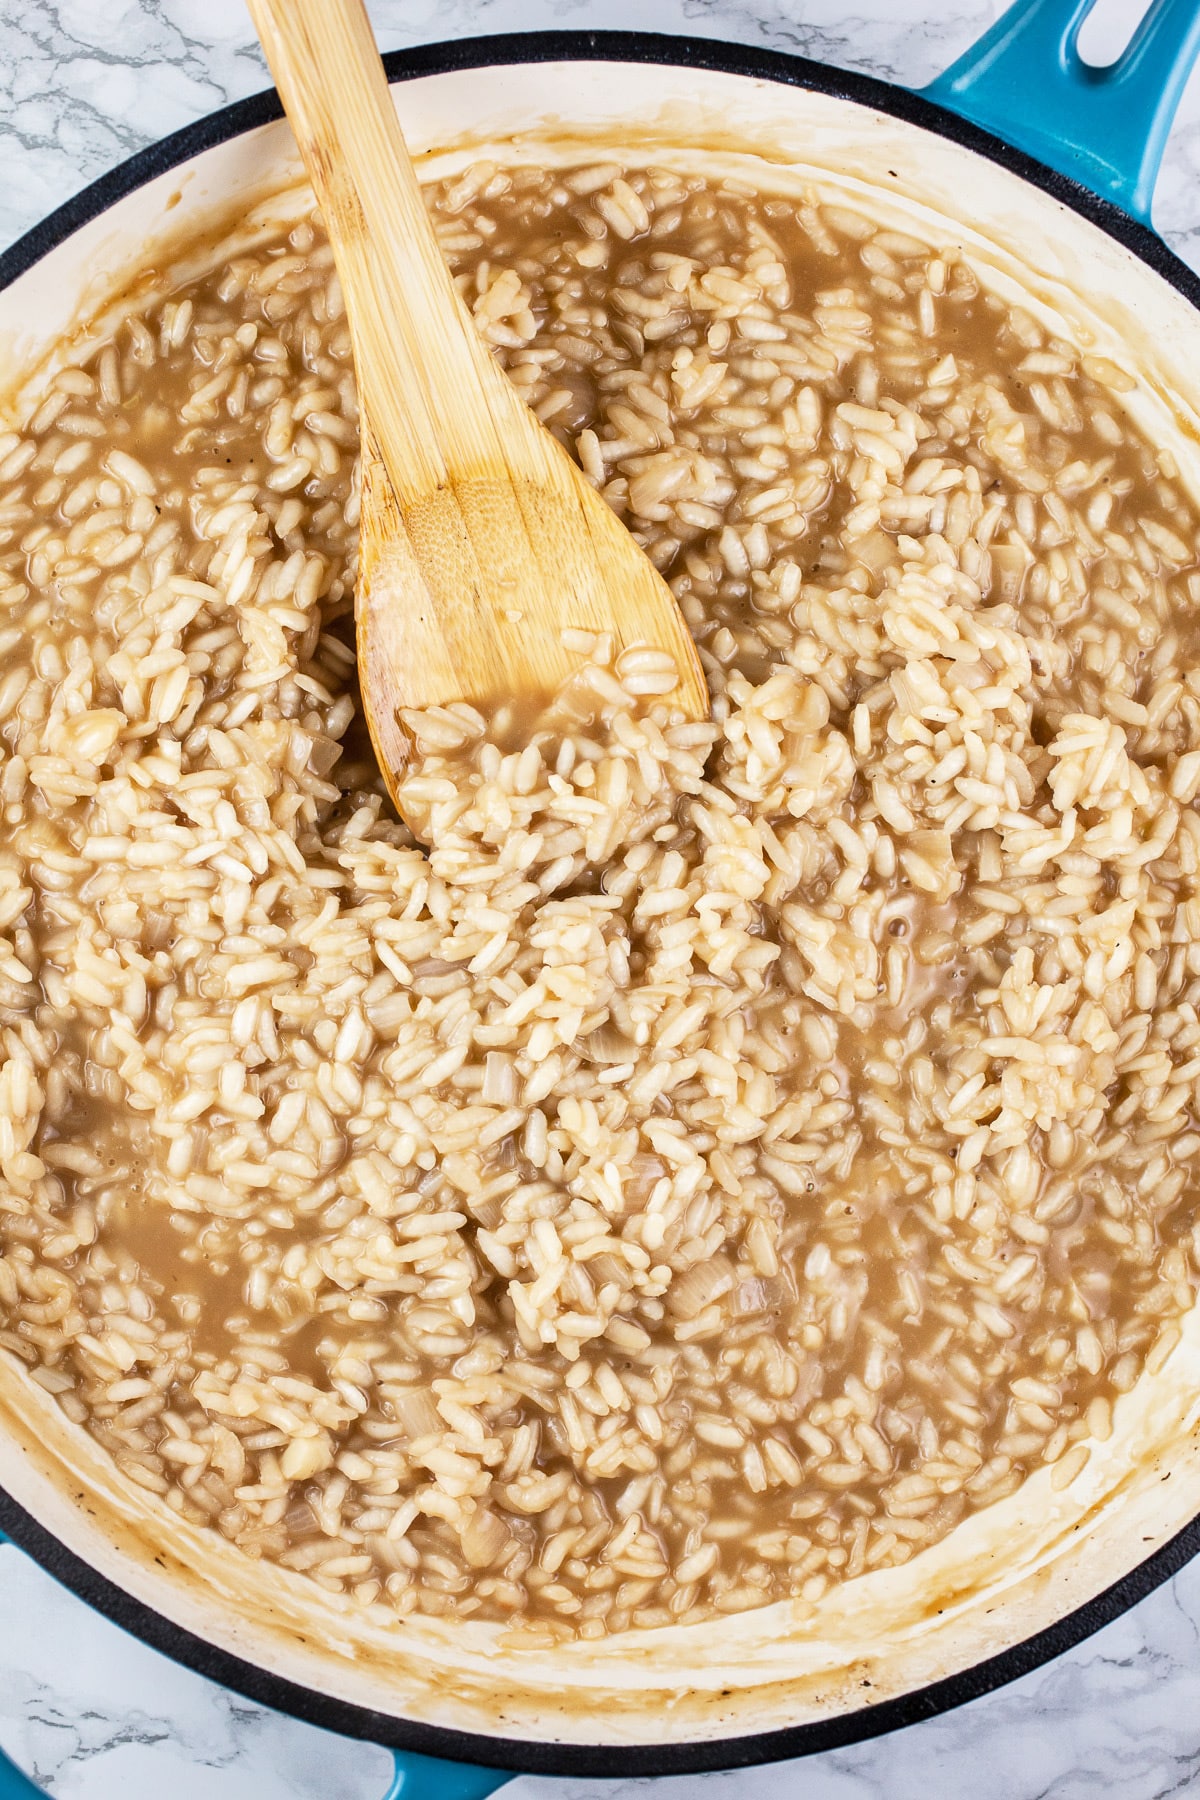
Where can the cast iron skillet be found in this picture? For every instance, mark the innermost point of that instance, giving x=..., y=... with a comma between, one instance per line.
x=1092, y=139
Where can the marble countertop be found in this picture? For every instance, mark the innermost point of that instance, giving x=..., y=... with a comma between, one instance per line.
x=84, y=83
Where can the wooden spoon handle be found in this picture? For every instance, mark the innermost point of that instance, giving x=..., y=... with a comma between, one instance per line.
x=417, y=354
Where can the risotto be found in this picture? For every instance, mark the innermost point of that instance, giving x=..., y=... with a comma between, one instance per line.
x=722, y=1156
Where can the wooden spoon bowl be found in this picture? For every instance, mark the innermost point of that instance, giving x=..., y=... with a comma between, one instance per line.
x=482, y=543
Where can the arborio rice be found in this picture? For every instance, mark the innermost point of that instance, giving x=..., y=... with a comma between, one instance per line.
x=733, y=1152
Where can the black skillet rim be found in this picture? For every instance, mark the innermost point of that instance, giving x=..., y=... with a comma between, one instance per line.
x=516, y=1754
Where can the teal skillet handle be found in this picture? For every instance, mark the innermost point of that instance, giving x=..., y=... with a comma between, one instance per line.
x=14, y=1785
x=416, y=1777
x=428, y=1778
x=1025, y=82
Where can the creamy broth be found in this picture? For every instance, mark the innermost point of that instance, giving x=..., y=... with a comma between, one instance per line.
x=890, y=1038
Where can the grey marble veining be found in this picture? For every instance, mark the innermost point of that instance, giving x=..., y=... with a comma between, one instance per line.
x=98, y=1716
x=84, y=83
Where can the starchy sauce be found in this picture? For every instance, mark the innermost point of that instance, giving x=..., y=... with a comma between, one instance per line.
x=863, y=1177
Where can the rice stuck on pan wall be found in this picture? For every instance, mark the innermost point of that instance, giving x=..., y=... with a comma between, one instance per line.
x=732, y=1153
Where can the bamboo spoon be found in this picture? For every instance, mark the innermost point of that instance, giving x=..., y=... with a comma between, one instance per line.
x=481, y=541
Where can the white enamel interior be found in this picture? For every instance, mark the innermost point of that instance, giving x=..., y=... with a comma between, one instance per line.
x=1000, y=1576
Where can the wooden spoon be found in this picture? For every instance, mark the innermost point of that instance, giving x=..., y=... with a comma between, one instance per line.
x=481, y=540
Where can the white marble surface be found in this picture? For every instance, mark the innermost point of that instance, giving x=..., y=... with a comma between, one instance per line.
x=83, y=83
